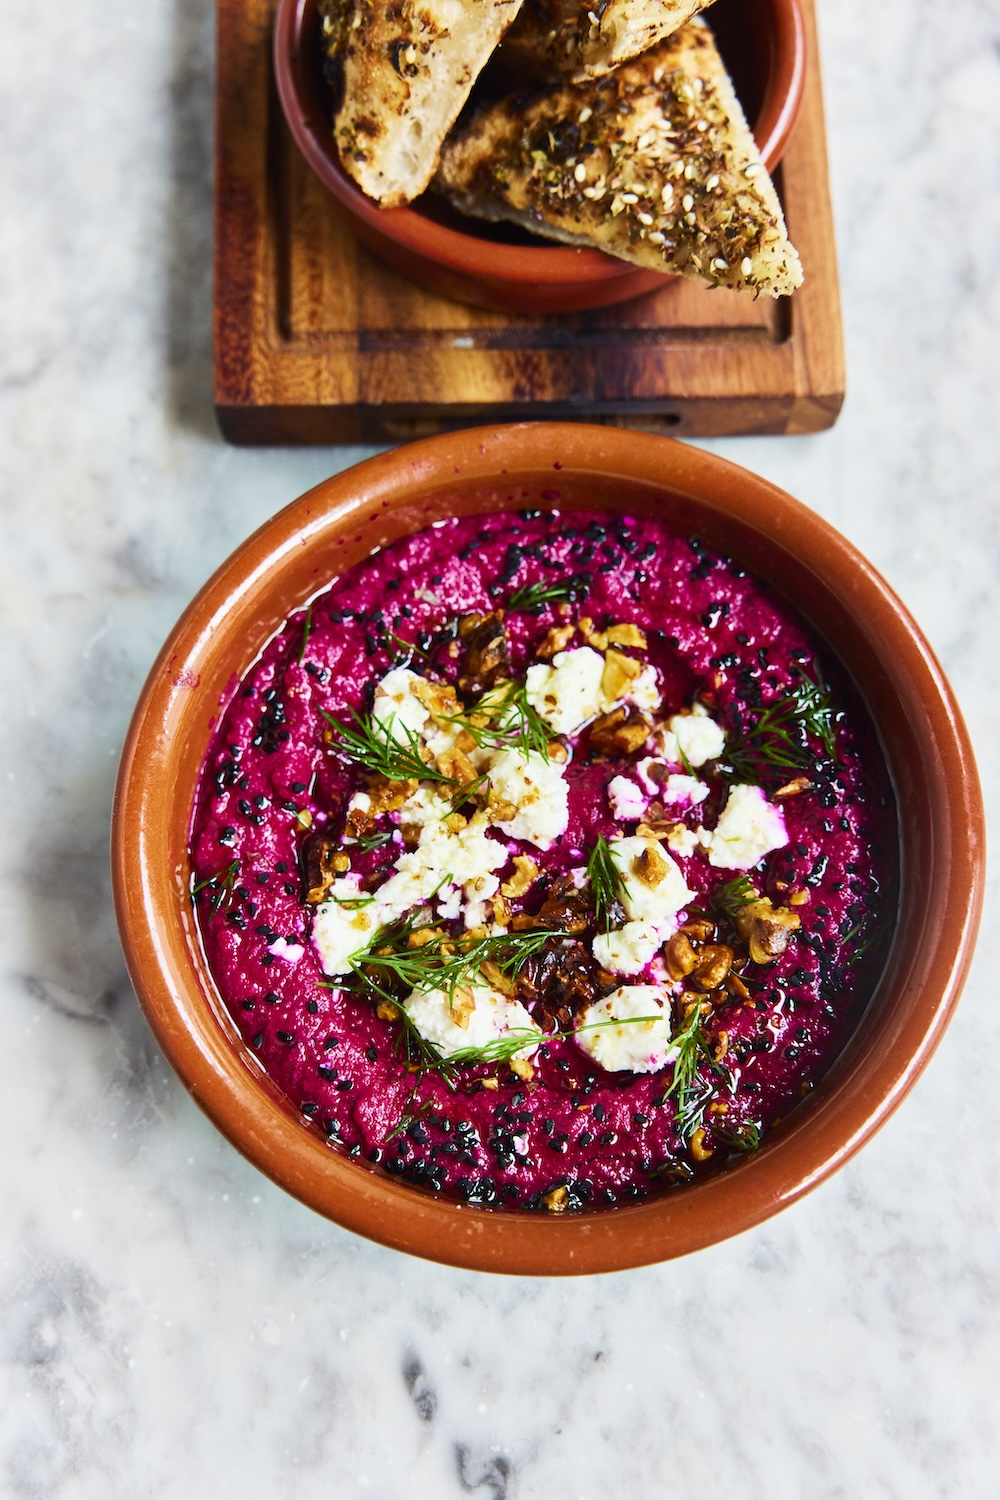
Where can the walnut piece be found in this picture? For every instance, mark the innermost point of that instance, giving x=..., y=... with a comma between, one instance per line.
x=556, y=640
x=765, y=929
x=486, y=656
x=322, y=862
x=627, y=635
x=524, y=876
x=650, y=867
x=623, y=731
x=620, y=671
x=388, y=796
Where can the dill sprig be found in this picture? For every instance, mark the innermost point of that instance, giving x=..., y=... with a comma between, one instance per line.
x=730, y=897
x=306, y=633
x=503, y=719
x=689, y=1090
x=410, y=649
x=373, y=745
x=222, y=888
x=745, y=1137
x=442, y=962
x=369, y=841
x=426, y=1057
x=530, y=595
x=467, y=791
x=779, y=739
x=606, y=882
x=411, y=1116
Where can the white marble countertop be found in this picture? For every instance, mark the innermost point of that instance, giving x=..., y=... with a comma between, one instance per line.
x=171, y=1325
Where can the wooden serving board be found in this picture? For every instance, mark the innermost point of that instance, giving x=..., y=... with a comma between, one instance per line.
x=317, y=342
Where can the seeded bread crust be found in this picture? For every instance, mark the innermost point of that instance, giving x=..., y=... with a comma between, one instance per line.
x=653, y=163
x=586, y=39
x=401, y=73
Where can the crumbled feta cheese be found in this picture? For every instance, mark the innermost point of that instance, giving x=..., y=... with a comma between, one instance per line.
x=683, y=791
x=397, y=706
x=466, y=857
x=644, y=768
x=653, y=888
x=748, y=828
x=645, y=690
x=341, y=929
x=638, y=1046
x=629, y=950
x=488, y=1017
x=567, y=693
x=698, y=736
x=683, y=841
x=536, y=787
x=571, y=691
x=282, y=948
x=626, y=800
x=360, y=802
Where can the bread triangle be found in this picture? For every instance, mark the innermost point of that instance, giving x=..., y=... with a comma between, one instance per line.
x=653, y=163
x=585, y=39
x=402, y=72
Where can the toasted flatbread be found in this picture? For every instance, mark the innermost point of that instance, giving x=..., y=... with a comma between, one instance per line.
x=401, y=73
x=585, y=40
x=653, y=163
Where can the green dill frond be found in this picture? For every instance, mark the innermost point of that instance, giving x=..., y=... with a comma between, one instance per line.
x=503, y=719
x=688, y=1088
x=221, y=886
x=410, y=649
x=779, y=738
x=306, y=633
x=443, y=962
x=745, y=1137
x=531, y=595
x=730, y=897
x=606, y=881
x=370, y=841
x=371, y=744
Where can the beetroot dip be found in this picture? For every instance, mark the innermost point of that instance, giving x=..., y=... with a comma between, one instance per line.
x=759, y=977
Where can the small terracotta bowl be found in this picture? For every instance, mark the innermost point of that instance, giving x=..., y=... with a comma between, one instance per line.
x=337, y=525
x=763, y=44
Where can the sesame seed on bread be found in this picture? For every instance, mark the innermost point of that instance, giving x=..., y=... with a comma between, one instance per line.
x=586, y=39
x=653, y=163
x=401, y=73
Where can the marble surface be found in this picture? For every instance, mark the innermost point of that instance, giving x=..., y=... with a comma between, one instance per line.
x=172, y=1325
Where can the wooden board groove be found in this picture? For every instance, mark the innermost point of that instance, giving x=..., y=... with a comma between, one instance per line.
x=317, y=342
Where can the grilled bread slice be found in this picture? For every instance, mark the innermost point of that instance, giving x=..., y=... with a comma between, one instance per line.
x=401, y=73
x=585, y=40
x=653, y=163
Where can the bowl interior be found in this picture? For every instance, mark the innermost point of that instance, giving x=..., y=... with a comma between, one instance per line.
x=295, y=556
x=761, y=42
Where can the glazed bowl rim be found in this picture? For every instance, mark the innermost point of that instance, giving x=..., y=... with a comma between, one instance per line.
x=168, y=969
x=461, y=251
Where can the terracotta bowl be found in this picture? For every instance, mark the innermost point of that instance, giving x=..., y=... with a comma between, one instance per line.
x=763, y=43
x=338, y=524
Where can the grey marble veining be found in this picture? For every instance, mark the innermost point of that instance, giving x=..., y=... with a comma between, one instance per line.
x=171, y=1325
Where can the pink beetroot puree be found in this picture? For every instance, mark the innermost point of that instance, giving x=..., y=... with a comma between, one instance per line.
x=572, y=1135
